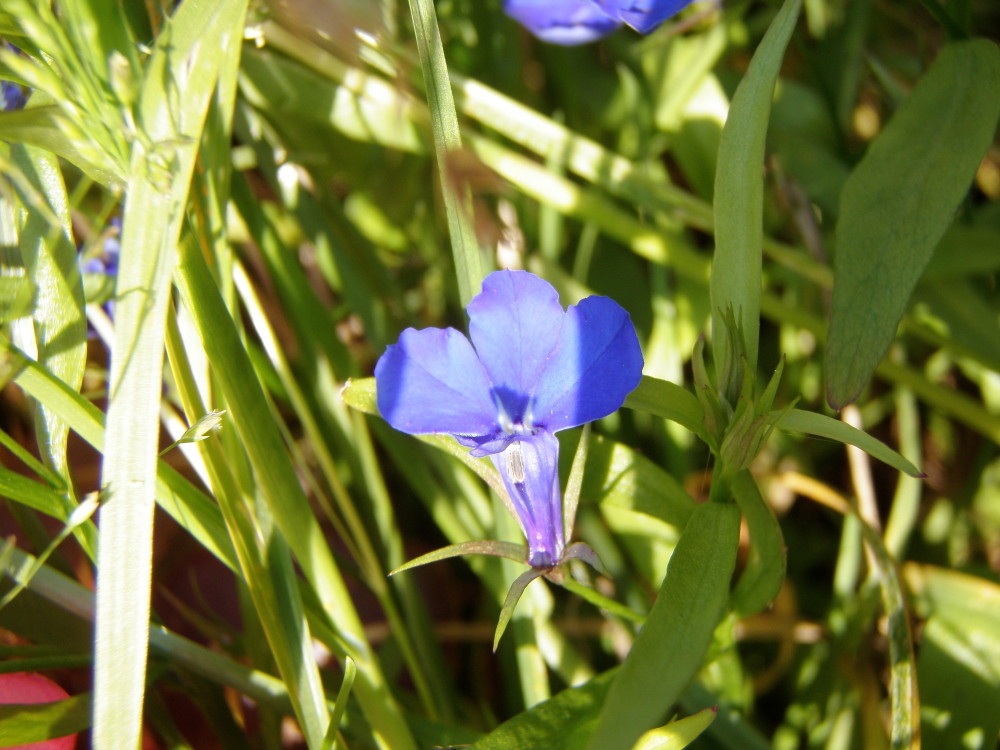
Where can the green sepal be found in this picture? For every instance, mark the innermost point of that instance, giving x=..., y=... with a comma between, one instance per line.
x=509, y=550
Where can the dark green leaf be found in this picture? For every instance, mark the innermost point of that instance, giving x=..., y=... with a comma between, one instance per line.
x=739, y=197
x=898, y=203
x=672, y=644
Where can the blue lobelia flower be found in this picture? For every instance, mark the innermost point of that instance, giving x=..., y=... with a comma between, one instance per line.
x=571, y=22
x=535, y=369
x=642, y=15
x=566, y=22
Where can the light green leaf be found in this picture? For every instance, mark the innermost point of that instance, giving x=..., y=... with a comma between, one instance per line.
x=672, y=644
x=670, y=401
x=515, y=552
x=739, y=201
x=821, y=425
x=677, y=734
x=23, y=724
x=898, y=202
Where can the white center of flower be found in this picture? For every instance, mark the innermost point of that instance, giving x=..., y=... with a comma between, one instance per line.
x=515, y=462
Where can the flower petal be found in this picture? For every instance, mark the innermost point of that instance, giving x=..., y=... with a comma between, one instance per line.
x=530, y=470
x=515, y=323
x=642, y=15
x=431, y=382
x=597, y=366
x=566, y=22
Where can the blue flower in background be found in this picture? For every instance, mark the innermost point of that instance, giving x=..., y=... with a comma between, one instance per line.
x=535, y=369
x=642, y=15
x=571, y=22
x=12, y=95
x=566, y=22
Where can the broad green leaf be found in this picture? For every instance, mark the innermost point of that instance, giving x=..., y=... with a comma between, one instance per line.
x=670, y=401
x=23, y=724
x=677, y=734
x=561, y=723
x=764, y=571
x=899, y=201
x=821, y=425
x=672, y=644
x=959, y=672
x=739, y=203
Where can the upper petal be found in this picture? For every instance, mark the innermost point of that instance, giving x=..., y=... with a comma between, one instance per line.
x=597, y=366
x=567, y=22
x=431, y=381
x=515, y=324
x=642, y=15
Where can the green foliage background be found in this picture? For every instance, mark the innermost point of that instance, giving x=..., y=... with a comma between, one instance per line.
x=813, y=186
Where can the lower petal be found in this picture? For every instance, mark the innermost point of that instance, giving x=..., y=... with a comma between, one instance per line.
x=529, y=467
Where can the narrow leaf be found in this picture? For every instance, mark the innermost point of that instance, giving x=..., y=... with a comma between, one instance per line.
x=509, y=550
x=513, y=596
x=823, y=426
x=764, y=572
x=898, y=202
x=739, y=197
x=677, y=734
x=672, y=644
x=670, y=401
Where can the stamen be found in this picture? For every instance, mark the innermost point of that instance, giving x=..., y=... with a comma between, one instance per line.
x=515, y=462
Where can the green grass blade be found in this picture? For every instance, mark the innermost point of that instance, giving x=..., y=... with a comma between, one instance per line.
x=672, y=644
x=279, y=486
x=171, y=112
x=739, y=200
x=899, y=201
x=469, y=263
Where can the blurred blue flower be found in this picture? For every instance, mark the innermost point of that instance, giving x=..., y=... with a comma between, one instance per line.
x=642, y=15
x=535, y=369
x=566, y=22
x=102, y=268
x=571, y=22
x=12, y=95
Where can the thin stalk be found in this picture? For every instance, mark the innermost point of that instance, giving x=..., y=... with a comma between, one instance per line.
x=469, y=263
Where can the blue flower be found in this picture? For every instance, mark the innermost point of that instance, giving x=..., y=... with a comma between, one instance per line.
x=535, y=369
x=566, y=22
x=642, y=15
x=571, y=22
